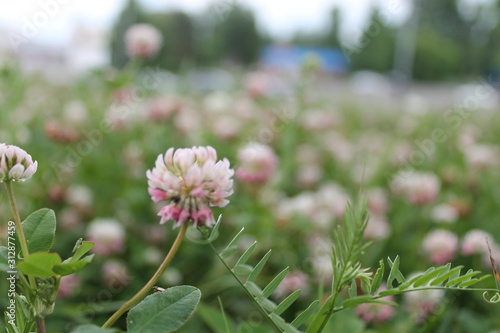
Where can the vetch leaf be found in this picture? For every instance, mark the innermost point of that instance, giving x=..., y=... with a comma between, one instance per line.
x=242, y=269
x=271, y=287
x=266, y=304
x=426, y=278
x=464, y=278
x=287, y=328
x=390, y=292
x=214, y=233
x=472, y=281
x=306, y=314
x=443, y=277
x=253, y=289
x=40, y=264
x=164, y=311
x=39, y=229
x=377, y=279
x=364, y=299
x=244, y=257
x=258, y=268
x=233, y=242
x=353, y=290
x=287, y=302
x=394, y=274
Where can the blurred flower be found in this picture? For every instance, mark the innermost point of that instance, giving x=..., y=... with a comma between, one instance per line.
x=69, y=218
x=377, y=201
x=80, y=197
x=115, y=274
x=154, y=234
x=377, y=228
x=162, y=107
x=217, y=102
x=481, y=156
x=292, y=281
x=56, y=193
x=495, y=254
x=376, y=313
x=226, y=127
x=445, y=213
x=257, y=84
x=318, y=120
x=133, y=159
x=418, y=187
x=338, y=146
x=187, y=121
x=67, y=285
x=15, y=164
x=258, y=163
x=108, y=236
x=308, y=174
x=322, y=208
x=75, y=113
x=440, y=246
x=192, y=179
x=153, y=256
x=61, y=132
x=172, y=277
x=142, y=41
x=474, y=241
x=422, y=303
x=334, y=198
x=468, y=136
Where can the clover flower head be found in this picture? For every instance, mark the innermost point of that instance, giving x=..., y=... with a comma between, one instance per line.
x=192, y=180
x=440, y=246
x=15, y=164
x=108, y=236
x=258, y=163
x=142, y=41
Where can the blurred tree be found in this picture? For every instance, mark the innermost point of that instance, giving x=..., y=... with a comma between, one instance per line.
x=469, y=26
x=331, y=38
x=130, y=15
x=178, y=46
x=437, y=57
x=375, y=50
x=240, y=40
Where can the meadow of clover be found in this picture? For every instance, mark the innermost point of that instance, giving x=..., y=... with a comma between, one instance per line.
x=134, y=159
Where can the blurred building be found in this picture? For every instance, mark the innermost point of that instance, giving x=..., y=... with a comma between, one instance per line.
x=292, y=58
x=58, y=61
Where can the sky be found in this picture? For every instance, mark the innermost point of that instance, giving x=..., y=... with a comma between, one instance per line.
x=52, y=21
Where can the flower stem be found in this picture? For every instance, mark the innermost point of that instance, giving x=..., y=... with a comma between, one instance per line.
x=19, y=227
x=40, y=325
x=148, y=286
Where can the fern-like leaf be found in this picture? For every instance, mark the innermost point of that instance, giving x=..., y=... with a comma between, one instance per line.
x=259, y=296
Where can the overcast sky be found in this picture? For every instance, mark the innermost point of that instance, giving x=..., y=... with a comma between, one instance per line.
x=278, y=17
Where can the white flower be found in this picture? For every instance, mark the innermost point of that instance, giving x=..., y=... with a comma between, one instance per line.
x=108, y=236
x=142, y=41
x=15, y=164
x=474, y=241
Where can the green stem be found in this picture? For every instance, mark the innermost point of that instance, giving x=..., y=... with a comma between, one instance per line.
x=151, y=283
x=261, y=309
x=40, y=325
x=19, y=227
